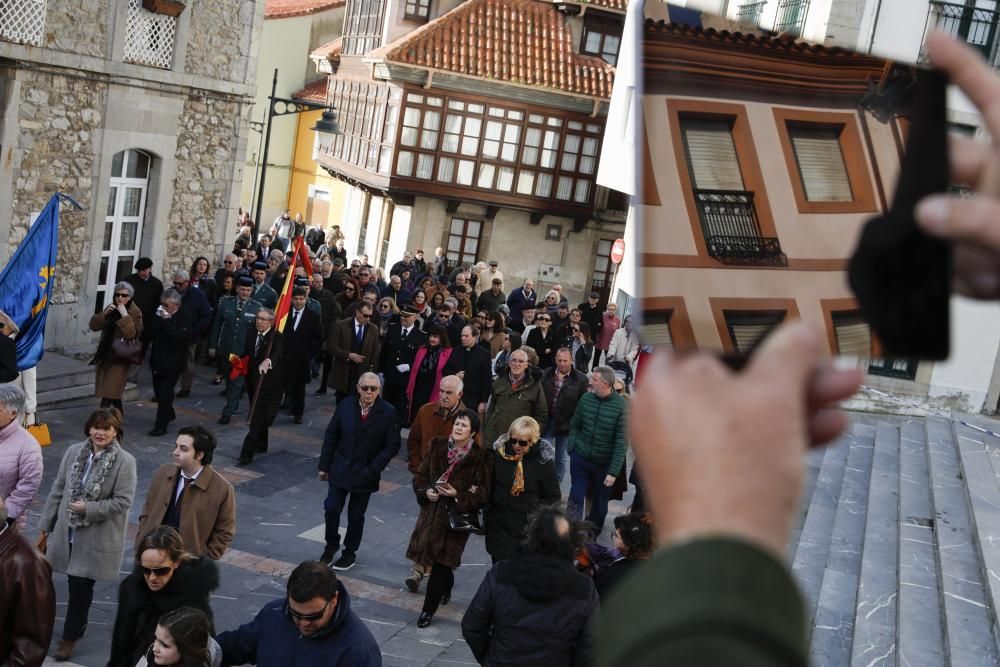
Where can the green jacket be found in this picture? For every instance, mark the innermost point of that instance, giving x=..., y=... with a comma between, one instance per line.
x=712, y=601
x=229, y=331
x=265, y=295
x=506, y=405
x=597, y=430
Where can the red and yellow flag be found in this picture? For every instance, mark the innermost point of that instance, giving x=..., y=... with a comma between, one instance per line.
x=300, y=257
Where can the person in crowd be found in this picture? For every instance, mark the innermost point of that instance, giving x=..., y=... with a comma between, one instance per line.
x=120, y=321
x=395, y=291
x=489, y=300
x=592, y=314
x=566, y=330
x=523, y=479
x=437, y=301
x=347, y=297
x=428, y=369
x=581, y=346
x=243, y=240
x=8, y=348
x=333, y=277
x=315, y=238
x=450, y=319
x=84, y=518
x=520, y=298
x=609, y=325
x=512, y=342
x=462, y=301
x=633, y=544
x=234, y=319
x=492, y=336
x=277, y=269
x=455, y=476
x=192, y=497
x=516, y=393
x=399, y=351
x=146, y=291
x=27, y=597
x=196, y=304
x=250, y=257
x=365, y=278
x=325, y=298
x=419, y=263
x=563, y=386
x=597, y=446
x=441, y=266
x=303, y=339
x=165, y=578
x=405, y=263
x=387, y=313
x=428, y=284
x=424, y=312
x=471, y=363
x=338, y=251
x=200, y=279
x=542, y=339
x=622, y=479
x=283, y=231
x=265, y=246
x=171, y=334
x=263, y=348
x=20, y=457
x=354, y=344
x=312, y=625
x=361, y=439
x=183, y=637
x=535, y=608
x=262, y=292
x=525, y=323
x=551, y=303
x=406, y=281
x=559, y=319
x=624, y=345
x=490, y=274
x=226, y=286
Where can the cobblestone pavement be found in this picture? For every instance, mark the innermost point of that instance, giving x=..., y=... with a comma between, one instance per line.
x=279, y=524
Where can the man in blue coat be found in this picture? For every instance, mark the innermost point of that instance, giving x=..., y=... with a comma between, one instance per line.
x=361, y=439
x=312, y=626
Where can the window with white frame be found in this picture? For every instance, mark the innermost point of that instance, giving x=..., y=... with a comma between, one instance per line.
x=149, y=37
x=22, y=21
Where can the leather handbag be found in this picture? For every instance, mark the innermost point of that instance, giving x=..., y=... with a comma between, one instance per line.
x=126, y=351
x=40, y=432
x=464, y=522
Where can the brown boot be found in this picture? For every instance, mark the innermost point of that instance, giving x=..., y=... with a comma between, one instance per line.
x=65, y=650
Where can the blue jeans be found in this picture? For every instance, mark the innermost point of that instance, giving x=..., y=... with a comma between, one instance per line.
x=356, y=507
x=560, y=442
x=583, y=474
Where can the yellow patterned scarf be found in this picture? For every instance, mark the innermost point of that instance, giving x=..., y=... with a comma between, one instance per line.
x=518, y=487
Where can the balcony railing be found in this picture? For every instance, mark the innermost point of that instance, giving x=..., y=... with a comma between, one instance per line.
x=732, y=231
x=977, y=27
x=791, y=17
x=750, y=12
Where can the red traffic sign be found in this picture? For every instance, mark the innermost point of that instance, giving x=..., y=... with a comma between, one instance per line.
x=618, y=251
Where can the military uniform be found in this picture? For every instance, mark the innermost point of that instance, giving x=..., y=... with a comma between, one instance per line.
x=265, y=295
x=229, y=333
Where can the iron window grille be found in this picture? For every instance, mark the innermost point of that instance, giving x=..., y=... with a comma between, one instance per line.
x=750, y=12
x=732, y=231
x=905, y=369
x=977, y=26
x=791, y=17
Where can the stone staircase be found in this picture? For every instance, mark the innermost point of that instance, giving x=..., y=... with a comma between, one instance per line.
x=897, y=546
x=67, y=382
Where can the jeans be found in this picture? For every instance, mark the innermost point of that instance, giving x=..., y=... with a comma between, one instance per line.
x=336, y=497
x=583, y=474
x=560, y=442
x=440, y=583
x=81, y=594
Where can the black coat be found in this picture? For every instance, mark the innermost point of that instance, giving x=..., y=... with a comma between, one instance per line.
x=300, y=346
x=574, y=386
x=170, y=337
x=396, y=352
x=545, y=346
x=594, y=317
x=147, y=297
x=273, y=380
x=354, y=452
x=532, y=610
x=506, y=514
x=478, y=367
x=139, y=608
x=8, y=359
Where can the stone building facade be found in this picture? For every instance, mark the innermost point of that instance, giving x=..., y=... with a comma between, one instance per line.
x=137, y=116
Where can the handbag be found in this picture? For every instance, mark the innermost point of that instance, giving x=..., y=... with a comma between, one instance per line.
x=40, y=432
x=126, y=351
x=42, y=543
x=465, y=522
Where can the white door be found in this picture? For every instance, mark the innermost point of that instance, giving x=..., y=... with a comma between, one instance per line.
x=122, y=222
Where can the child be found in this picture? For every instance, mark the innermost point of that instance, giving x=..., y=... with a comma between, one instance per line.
x=182, y=639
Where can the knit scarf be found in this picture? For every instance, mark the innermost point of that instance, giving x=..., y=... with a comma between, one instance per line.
x=518, y=487
x=91, y=490
x=455, y=456
x=429, y=364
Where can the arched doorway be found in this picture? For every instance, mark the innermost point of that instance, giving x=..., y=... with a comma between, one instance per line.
x=123, y=220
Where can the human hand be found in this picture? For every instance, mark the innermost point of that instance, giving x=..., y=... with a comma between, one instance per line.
x=432, y=495
x=402, y=368
x=264, y=367
x=609, y=480
x=78, y=507
x=323, y=477
x=970, y=222
x=460, y=375
x=356, y=358
x=211, y=353
x=446, y=489
x=737, y=472
x=122, y=310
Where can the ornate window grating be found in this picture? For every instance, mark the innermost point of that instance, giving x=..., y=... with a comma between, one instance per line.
x=22, y=21
x=149, y=37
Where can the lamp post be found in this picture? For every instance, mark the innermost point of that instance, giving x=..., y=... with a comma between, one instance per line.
x=280, y=106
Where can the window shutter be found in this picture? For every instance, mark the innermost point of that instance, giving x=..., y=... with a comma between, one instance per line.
x=821, y=163
x=711, y=155
x=746, y=328
x=656, y=332
x=853, y=335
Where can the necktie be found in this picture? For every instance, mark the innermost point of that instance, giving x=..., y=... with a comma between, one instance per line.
x=406, y=332
x=295, y=324
x=185, y=481
x=256, y=348
x=360, y=334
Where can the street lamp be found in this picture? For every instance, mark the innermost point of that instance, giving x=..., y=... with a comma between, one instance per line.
x=279, y=106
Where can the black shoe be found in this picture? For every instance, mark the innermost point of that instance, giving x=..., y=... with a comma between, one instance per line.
x=425, y=619
x=154, y=400
x=183, y=393
x=224, y=419
x=244, y=461
x=320, y=392
x=328, y=554
x=446, y=598
x=223, y=392
x=297, y=420
x=216, y=380
x=157, y=432
x=345, y=562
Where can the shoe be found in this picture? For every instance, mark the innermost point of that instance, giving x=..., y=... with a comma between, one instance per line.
x=244, y=461
x=261, y=450
x=65, y=650
x=154, y=400
x=297, y=420
x=224, y=419
x=223, y=392
x=446, y=598
x=217, y=380
x=413, y=580
x=425, y=619
x=157, y=432
x=320, y=392
x=345, y=562
x=183, y=393
x=328, y=554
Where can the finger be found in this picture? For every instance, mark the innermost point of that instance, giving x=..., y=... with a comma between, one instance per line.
x=968, y=70
x=977, y=272
x=969, y=159
x=831, y=384
x=826, y=425
x=788, y=358
x=976, y=220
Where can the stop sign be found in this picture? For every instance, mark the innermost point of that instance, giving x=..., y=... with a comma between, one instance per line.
x=618, y=251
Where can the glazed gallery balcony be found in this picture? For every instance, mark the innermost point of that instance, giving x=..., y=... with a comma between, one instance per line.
x=732, y=231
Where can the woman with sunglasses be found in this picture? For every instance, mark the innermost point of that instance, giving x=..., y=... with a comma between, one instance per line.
x=492, y=335
x=580, y=344
x=543, y=340
x=83, y=522
x=388, y=312
x=165, y=578
x=426, y=369
x=120, y=320
x=524, y=477
x=344, y=300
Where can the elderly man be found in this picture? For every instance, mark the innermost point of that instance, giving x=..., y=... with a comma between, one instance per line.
x=471, y=362
x=235, y=318
x=516, y=393
x=171, y=329
x=405, y=263
x=148, y=289
x=20, y=456
x=520, y=298
x=277, y=269
x=491, y=299
x=354, y=345
x=196, y=303
x=228, y=266
x=360, y=440
x=563, y=386
x=394, y=290
x=264, y=348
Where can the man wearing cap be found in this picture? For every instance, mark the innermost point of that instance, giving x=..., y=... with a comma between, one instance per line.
x=233, y=320
x=520, y=298
x=148, y=289
x=486, y=277
x=262, y=292
x=491, y=299
x=593, y=315
x=399, y=347
x=303, y=338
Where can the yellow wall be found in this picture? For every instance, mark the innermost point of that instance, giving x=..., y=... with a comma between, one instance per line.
x=306, y=172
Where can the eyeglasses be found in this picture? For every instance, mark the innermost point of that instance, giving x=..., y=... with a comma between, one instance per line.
x=368, y=388
x=364, y=316
x=264, y=319
x=620, y=391
x=544, y=319
x=348, y=289
x=157, y=571
x=122, y=296
x=518, y=361
x=177, y=284
x=307, y=617
x=522, y=443
x=228, y=261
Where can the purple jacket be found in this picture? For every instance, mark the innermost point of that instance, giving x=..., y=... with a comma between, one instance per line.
x=20, y=468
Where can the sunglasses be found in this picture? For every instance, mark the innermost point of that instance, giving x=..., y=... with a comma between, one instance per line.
x=228, y=261
x=522, y=443
x=157, y=571
x=177, y=284
x=122, y=296
x=368, y=388
x=307, y=617
x=348, y=289
x=364, y=316
x=544, y=319
x=576, y=330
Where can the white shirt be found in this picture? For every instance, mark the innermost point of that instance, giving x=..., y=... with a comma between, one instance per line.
x=180, y=485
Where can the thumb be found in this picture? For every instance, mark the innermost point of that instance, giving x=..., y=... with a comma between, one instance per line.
x=788, y=357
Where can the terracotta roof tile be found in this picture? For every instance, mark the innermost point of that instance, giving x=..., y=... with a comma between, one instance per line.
x=314, y=92
x=329, y=50
x=761, y=39
x=526, y=42
x=282, y=9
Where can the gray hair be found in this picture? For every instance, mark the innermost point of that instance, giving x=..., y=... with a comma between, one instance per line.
x=12, y=397
x=276, y=254
x=453, y=380
x=171, y=295
x=125, y=287
x=182, y=274
x=369, y=376
x=607, y=375
x=452, y=302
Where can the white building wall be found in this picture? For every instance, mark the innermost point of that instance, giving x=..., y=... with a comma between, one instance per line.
x=963, y=381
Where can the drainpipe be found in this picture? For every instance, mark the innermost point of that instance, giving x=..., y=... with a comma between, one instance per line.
x=871, y=33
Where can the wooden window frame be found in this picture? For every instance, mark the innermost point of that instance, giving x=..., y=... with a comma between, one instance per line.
x=363, y=112
x=363, y=26
x=852, y=149
x=464, y=236
x=422, y=13
x=831, y=306
x=675, y=310
x=720, y=305
x=605, y=26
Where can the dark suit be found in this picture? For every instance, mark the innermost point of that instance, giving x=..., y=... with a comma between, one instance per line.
x=478, y=380
x=301, y=344
x=168, y=354
x=265, y=390
x=395, y=352
x=341, y=342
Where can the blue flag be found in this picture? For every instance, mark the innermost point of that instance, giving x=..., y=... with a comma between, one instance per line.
x=26, y=282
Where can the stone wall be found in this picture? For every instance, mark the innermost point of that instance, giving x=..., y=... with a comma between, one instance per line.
x=78, y=27
x=205, y=157
x=58, y=121
x=219, y=42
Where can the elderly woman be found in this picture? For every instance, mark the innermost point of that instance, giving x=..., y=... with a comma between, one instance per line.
x=120, y=321
x=524, y=477
x=454, y=476
x=20, y=456
x=85, y=516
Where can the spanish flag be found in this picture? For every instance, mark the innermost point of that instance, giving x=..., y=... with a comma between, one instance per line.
x=300, y=257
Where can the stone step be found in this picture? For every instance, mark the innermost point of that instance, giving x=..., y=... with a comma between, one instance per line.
x=833, y=627
x=919, y=629
x=813, y=462
x=77, y=396
x=56, y=371
x=814, y=541
x=875, y=615
x=967, y=624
